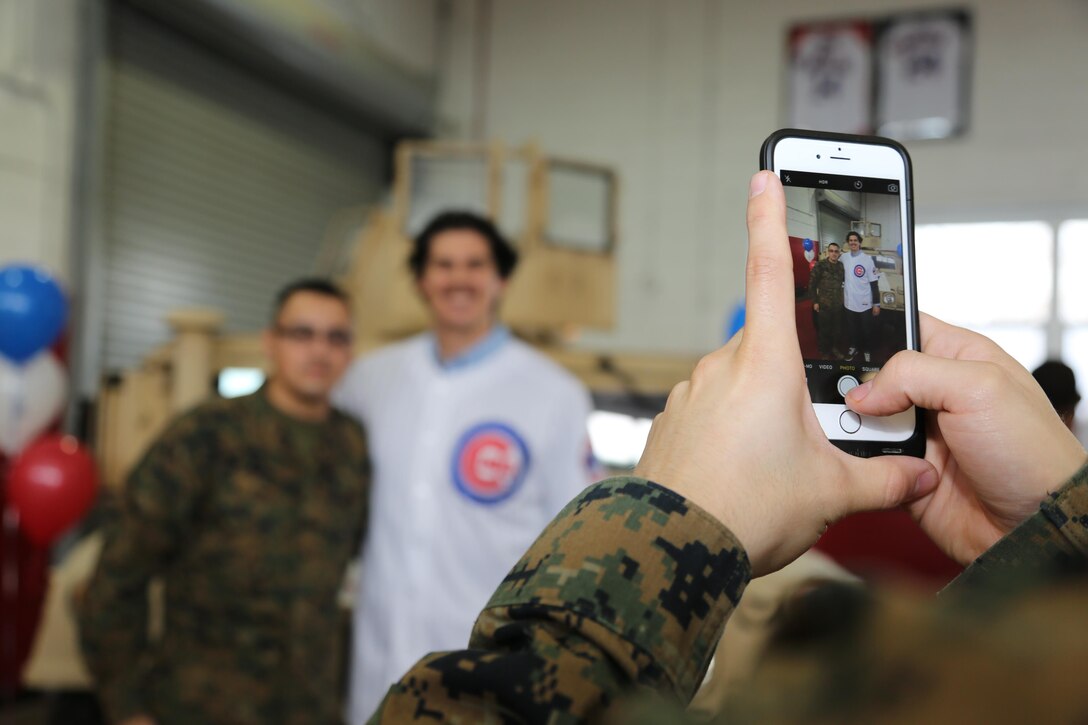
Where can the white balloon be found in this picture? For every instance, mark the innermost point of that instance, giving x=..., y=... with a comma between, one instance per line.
x=810, y=255
x=31, y=397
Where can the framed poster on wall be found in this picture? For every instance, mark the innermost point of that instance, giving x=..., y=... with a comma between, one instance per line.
x=922, y=75
x=905, y=75
x=830, y=76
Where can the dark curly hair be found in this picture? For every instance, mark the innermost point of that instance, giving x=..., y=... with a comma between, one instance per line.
x=505, y=256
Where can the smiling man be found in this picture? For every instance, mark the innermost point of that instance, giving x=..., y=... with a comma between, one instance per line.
x=861, y=298
x=477, y=442
x=248, y=510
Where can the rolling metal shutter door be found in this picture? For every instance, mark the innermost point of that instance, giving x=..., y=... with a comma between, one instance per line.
x=218, y=187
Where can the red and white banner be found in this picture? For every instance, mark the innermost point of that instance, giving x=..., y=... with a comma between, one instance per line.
x=831, y=77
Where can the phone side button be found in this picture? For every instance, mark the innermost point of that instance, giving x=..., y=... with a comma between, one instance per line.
x=850, y=422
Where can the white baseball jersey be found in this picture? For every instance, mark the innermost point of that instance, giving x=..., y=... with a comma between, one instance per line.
x=469, y=464
x=860, y=273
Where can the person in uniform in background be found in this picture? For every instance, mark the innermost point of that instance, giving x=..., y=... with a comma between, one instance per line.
x=1060, y=385
x=861, y=297
x=611, y=616
x=477, y=442
x=249, y=510
x=825, y=288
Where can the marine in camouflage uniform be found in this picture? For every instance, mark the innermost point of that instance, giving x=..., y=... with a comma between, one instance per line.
x=249, y=516
x=614, y=612
x=825, y=286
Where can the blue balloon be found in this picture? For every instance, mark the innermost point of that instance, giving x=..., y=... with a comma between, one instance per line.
x=808, y=245
x=899, y=249
x=736, y=321
x=33, y=311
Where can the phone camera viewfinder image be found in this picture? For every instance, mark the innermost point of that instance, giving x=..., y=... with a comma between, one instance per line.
x=848, y=221
x=845, y=239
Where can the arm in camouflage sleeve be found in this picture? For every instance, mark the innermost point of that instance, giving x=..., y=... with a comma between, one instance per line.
x=630, y=585
x=155, y=510
x=1053, y=538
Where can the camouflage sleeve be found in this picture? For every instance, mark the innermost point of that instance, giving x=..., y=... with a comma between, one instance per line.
x=140, y=539
x=1053, y=539
x=814, y=281
x=629, y=586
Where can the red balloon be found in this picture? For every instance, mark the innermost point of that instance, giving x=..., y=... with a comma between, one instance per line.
x=52, y=484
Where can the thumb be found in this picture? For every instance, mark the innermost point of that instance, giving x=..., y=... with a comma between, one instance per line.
x=914, y=378
x=885, y=482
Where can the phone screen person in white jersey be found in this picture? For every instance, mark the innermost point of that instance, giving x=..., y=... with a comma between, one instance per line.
x=861, y=298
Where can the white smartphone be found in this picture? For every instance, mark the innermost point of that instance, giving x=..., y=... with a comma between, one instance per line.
x=850, y=221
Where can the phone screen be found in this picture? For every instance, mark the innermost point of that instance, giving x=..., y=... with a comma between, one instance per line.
x=846, y=237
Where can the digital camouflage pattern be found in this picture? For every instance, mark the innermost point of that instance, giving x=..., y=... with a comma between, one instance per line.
x=825, y=288
x=249, y=518
x=612, y=615
x=626, y=585
x=825, y=284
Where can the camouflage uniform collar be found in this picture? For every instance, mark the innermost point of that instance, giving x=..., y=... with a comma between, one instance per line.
x=259, y=403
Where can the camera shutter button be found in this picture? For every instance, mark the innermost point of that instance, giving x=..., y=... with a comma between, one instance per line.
x=846, y=384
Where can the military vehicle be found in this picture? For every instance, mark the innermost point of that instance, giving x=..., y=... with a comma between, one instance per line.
x=890, y=266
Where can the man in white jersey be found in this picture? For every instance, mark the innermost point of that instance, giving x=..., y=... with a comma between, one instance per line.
x=861, y=298
x=476, y=442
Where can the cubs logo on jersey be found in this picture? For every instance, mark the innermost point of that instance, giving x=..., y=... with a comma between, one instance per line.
x=859, y=270
x=490, y=462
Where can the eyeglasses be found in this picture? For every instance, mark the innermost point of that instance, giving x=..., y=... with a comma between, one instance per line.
x=304, y=334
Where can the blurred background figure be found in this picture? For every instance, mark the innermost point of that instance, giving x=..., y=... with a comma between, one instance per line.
x=249, y=510
x=478, y=441
x=1059, y=382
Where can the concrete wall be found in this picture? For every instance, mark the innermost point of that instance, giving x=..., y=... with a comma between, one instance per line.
x=676, y=95
x=679, y=95
x=884, y=210
x=405, y=30
x=801, y=213
x=40, y=43
x=37, y=122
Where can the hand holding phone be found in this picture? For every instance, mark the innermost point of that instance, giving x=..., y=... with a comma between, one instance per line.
x=999, y=448
x=740, y=439
x=851, y=233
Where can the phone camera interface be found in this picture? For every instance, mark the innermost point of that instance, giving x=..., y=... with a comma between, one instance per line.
x=845, y=236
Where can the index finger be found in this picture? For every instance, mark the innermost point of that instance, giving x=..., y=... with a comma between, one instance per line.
x=769, y=287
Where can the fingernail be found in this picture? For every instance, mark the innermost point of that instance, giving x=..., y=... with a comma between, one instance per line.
x=924, y=484
x=757, y=185
x=858, y=394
